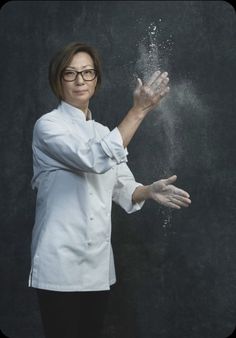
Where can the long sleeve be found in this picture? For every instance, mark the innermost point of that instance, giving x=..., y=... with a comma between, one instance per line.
x=124, y=188
x=55, y=145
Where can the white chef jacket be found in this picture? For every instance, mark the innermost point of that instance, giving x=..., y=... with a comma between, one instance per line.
x=79, y=168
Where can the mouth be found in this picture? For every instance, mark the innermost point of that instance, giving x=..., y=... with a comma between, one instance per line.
x=80, y=91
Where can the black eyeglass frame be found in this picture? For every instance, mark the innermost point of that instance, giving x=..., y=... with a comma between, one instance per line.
x=77, y=73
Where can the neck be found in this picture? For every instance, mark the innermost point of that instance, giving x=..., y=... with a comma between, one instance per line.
x=81, y=106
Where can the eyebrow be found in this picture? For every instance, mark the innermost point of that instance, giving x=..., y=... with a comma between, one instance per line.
x=82, y=67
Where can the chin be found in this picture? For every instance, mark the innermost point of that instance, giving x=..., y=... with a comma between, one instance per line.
x=79, y=102
x=84, y=97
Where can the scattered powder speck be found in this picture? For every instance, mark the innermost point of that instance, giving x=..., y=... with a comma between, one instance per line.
x=153, y=54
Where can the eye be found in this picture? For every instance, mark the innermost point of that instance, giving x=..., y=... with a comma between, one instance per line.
x=69, y=73
x=89, y=71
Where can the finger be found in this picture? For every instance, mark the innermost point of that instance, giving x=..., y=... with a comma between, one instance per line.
x=165, y=91
x=183, y=199
x=168, y=203
x=139, y=82
x=179, y=202
x=173, y=205
x=161, y=84
x=153, y=78
x=138, y=87
x=180, y=192
x=170, y=179
x=156, y=83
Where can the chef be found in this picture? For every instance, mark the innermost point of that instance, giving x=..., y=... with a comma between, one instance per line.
x=80, y=167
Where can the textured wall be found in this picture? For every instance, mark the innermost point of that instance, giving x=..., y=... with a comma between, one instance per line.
x=176, y=270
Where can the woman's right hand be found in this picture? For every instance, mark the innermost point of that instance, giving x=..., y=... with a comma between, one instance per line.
x=145, y=98
x=148, y=95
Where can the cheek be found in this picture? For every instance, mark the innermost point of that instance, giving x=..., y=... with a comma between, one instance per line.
x=93, y=90
x=66, y=88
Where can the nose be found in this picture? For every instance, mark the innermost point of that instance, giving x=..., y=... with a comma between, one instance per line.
x=79, y=79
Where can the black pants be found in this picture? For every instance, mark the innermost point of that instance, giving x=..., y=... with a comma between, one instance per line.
x=72, y=314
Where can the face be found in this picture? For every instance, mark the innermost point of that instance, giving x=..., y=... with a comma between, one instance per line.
x=79, y=91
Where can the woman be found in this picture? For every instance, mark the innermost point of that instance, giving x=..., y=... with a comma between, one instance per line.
x=79, y=169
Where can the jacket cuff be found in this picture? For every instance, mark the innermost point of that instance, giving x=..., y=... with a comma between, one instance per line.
x=130, y=206
x=112, y=145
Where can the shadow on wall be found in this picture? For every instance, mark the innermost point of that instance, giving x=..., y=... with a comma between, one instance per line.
x=3, y=335
x=233, y=334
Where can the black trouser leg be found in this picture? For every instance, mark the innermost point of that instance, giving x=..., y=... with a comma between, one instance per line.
x=94, y=305
x=72, y=314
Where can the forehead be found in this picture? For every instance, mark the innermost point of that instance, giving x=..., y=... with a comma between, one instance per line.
x=81, y=59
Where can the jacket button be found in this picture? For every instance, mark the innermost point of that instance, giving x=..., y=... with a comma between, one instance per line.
x=91, y=218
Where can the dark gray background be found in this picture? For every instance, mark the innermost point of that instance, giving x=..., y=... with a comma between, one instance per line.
x=176, y=270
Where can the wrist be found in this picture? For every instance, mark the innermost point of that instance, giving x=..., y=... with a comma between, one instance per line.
x=141, y=193
x=148, y=191
x=137, y=113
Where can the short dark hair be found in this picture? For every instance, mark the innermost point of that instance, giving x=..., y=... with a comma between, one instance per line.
x=63, y=58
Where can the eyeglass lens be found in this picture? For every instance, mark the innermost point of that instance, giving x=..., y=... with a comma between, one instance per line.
x=87, y=74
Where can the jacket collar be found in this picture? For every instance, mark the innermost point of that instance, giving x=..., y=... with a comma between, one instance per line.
x=73, y=112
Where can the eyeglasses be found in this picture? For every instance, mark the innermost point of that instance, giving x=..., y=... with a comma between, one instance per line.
x=71, y=75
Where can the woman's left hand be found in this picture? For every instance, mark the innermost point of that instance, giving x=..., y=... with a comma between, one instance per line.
x=165, y=193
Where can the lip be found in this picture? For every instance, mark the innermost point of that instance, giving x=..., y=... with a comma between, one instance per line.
x=80, y=91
